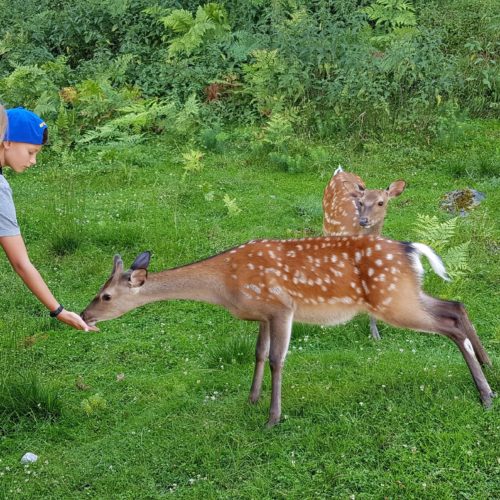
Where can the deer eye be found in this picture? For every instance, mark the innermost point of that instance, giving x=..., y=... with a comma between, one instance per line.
x=106, y=297
x=380, y=203
x=360, y=203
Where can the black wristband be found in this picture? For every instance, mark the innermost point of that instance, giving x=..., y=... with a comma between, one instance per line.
x=56, y=312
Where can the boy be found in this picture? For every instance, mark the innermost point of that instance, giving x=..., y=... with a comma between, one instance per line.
x=25, y=133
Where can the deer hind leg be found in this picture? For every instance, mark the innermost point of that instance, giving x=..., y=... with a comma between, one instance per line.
x=374, y=329
x=261, y=355
x=447, y=318
x=280, y=332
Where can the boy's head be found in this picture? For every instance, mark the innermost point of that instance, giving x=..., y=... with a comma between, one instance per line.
x=25, y=126
x=25, y=134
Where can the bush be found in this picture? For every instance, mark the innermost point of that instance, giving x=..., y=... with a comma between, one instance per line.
x=344, y=66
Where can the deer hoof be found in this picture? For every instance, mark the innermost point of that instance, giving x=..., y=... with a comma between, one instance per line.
x=253, y=399
x=487, y=402
x=272, y=422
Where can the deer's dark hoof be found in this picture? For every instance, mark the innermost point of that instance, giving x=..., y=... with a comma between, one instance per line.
x=252, y=399
x=272, y=422
x=488, y=402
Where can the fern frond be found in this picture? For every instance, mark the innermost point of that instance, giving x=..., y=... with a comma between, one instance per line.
x=437, y=234
x=232, y=207
x=456, y=260
x=179, y=20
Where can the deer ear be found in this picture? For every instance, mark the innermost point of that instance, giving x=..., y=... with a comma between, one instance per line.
x=396, y=188
x=354, y=189
x=141, y=261
x=137, y=278
x=117, y=265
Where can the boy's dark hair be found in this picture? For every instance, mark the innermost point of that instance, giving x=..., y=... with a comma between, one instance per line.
x=45, y=138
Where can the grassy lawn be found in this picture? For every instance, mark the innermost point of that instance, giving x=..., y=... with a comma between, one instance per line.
x=155, y=404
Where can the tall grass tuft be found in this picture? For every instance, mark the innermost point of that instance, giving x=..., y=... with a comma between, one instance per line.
x=65, y=243
x=26, y=397
x=237, y=350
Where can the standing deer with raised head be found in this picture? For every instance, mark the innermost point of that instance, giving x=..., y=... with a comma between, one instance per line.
x=349, y=208
x=325, y=280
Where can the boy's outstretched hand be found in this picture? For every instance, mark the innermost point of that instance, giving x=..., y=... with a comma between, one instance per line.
x=74, y=320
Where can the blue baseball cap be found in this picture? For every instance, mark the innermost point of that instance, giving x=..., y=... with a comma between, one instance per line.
x=24, y=126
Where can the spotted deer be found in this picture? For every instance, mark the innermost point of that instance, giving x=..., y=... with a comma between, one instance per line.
x=350, y=208
x=324, y=280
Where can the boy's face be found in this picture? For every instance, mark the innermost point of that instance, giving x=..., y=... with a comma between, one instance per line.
x=20, y=155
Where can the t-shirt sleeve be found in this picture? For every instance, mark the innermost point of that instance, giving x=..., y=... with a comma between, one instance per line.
x=8, y=219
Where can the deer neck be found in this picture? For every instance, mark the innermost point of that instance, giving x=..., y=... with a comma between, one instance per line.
x=193, y=282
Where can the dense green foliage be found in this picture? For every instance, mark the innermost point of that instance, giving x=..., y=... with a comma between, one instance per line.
x=155, y=404
x=326, y=67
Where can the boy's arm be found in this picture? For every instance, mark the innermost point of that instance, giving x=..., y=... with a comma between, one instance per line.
x=15, y=250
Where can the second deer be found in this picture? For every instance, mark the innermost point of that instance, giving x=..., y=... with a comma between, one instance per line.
x=350, y=208
x=325, y=280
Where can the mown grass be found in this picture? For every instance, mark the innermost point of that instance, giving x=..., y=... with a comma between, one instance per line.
x=155, y=404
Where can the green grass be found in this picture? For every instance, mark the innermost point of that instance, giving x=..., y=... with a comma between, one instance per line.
x=395, y=419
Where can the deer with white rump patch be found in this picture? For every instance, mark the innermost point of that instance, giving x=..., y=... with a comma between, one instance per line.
x=324, y=280
x=349, y=208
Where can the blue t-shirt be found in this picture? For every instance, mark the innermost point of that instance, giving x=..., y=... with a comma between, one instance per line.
x=8, y=219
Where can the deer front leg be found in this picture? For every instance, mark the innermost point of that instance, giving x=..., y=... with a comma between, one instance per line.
x=280, y=332
x=374, y=329
x=261, y=355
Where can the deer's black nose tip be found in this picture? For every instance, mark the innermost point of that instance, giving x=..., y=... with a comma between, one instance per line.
x=363, y=221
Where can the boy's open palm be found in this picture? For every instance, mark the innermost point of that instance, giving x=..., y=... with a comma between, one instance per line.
x=74, y=320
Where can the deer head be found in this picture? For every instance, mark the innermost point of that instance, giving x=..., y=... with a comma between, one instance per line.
x=372, y=203
x=120, y=292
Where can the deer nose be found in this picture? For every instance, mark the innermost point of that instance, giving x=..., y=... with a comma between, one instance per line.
x=363, y=221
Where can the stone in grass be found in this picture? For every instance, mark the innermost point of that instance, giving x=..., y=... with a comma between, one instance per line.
x=462, y=201
x=29, y=458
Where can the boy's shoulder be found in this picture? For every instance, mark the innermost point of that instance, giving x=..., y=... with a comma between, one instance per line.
x=4, y=183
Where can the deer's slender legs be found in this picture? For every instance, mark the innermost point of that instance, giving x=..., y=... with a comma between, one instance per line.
x=374, y=329
x=281, y=330
x=261, y=355
x=449, y=319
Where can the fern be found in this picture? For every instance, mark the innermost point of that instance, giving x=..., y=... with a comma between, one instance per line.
x=394, y=21
x=210, y=22
x=278, y=130
x=434, y=233
x=192, y=161
x=438, y=235
x=391, y=14
x=187, y=119
x=132, y=122
x=231, y=205
x=456, y=260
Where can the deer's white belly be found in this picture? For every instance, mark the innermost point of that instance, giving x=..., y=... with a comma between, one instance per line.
x=326, y=314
